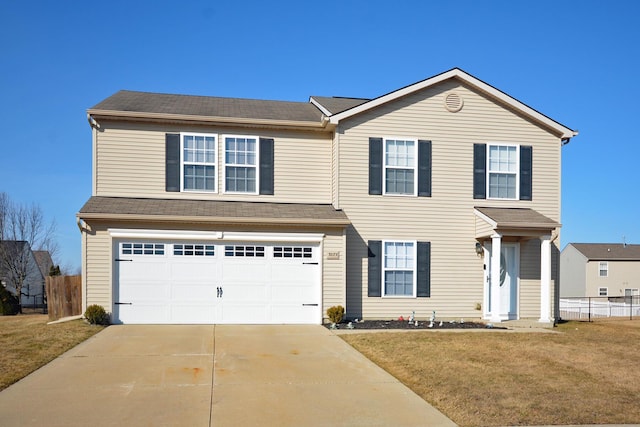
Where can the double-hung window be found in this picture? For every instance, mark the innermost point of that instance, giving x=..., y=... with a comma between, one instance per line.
x=400, y=166
x=241, y=160
x=198, y=162
x=603, y=269
x=503, y=171
x=399, y=278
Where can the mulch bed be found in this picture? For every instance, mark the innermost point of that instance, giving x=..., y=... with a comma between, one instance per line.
x=397, y=324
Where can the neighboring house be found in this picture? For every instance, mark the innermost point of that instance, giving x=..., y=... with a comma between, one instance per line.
x=440, y=196
x=16, y=259
x=599, y=270
x=44, y=261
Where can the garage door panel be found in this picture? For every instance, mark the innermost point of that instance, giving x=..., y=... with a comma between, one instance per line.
x=137, y=291
x=193, y=314
x=138, y=269
x=196, y=293
x=244, y=313
x=292, y=293
x=145, y=313
x=200, y=268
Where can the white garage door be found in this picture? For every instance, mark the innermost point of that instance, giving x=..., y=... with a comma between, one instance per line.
x=200, y=282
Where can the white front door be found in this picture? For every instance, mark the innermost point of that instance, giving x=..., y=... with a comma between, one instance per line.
x=509, y=272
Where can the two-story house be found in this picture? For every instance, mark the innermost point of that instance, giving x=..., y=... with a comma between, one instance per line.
x=440, y=196
x=600, y=270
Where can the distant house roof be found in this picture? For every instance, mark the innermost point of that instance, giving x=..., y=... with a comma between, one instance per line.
x=44, y=261
x=212, y=211
x=609, y=251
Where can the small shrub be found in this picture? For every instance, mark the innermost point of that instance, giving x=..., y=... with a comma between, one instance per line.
x=9, y=304
x=96, y=315
x=335, y=313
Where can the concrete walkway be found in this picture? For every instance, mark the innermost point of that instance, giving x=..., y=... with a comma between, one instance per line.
x=214, y=376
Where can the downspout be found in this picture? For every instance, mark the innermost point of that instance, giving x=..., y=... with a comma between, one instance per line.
x=84, y=228
x=94, y=142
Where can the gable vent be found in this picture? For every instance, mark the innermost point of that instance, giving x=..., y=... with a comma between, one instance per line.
x=453, y=102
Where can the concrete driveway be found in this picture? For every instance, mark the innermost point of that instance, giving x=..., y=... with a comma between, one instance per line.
x=214, y=376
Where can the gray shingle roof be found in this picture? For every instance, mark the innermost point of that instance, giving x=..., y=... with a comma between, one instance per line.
x=208, y=106
x=212, y=211
x=337, y=105
x=609, y=251
x=518, y=217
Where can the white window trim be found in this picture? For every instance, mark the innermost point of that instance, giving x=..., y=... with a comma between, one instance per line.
x=215, y=164
x=385, y=167
x=606, y=268
x=634, y=291
x=415, y=269
x=489, y=172
x=223, y=153
x=601, y=289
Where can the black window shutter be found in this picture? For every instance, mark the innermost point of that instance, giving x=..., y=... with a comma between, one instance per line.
x=526, y=166
x=479, y=171
x=424, y=168
x=172, y=162
x=266, y=166
x=375, y=165
x=423, y=278
x=375, y=268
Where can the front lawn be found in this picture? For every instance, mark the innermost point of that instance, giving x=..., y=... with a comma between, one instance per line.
x=588, y=373
x=27, y=343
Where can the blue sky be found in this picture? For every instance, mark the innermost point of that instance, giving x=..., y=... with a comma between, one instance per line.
x=575, y=61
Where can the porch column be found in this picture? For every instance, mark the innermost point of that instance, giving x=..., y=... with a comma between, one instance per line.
x=496, y=249
x=545, y=279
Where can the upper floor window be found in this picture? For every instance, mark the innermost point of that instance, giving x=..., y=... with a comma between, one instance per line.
x=604, y=269
x=241, y=160
x=400, y=166
x=191, y=163
x=198, y=162
x=503, y=172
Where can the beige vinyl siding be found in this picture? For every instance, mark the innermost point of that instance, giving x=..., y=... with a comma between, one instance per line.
x=573, y=271
x=446, y=219
x=483, y=228
x=98, y=267
x=621, y=275
x=131, y=163
x=333, y=271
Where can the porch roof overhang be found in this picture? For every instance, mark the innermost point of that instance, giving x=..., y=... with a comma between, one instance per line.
x=522, y=223
x=212, y=212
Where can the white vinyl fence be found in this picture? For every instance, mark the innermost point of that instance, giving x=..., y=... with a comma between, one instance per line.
x=591, y=308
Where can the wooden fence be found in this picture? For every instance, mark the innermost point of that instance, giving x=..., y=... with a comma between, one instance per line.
x=64, y=296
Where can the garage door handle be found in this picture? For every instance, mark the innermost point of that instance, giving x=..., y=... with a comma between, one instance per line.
x=219, y=294
x=310, y=263
x=309, y=305
x=123, y=303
